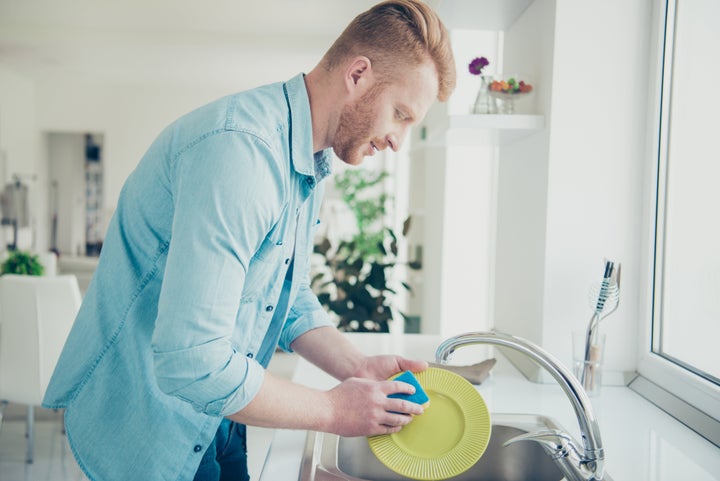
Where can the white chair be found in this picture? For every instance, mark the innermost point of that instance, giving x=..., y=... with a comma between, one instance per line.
x=49, y=260
x=36, y=314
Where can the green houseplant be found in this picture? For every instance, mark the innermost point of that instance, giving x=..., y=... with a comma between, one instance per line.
x=355, y=283
x=21, y=262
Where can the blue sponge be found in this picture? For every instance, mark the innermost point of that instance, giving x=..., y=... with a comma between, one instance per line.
x=420, y=396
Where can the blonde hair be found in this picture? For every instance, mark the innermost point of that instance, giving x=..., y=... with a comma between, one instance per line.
x=395, y=35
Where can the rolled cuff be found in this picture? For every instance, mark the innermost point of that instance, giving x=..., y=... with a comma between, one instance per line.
x=217, y=382
x=297, y=326
x=247, y=391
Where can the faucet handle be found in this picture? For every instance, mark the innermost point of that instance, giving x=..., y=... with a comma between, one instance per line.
x=561, y=448
x=557, y=443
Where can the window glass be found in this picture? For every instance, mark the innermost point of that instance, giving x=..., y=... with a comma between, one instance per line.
x=686, y=315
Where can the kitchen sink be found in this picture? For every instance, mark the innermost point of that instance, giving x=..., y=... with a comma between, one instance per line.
x=329, y=457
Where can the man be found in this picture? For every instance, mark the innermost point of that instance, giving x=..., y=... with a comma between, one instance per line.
x=204, y=269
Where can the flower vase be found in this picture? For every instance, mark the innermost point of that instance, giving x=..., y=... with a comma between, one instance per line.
x=484, y=103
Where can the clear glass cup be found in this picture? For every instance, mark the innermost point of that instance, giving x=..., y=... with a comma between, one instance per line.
x=588, y=362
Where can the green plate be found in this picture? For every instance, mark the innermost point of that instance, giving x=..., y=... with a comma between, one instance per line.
x=447, y=439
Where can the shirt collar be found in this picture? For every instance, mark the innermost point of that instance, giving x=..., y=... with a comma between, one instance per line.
x=317, y=165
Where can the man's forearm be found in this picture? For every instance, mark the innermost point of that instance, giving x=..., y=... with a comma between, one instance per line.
x=356, y=407
x=329, y=350
x=283, y=404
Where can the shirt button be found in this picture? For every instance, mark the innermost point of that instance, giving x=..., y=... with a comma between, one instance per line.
x=197, y=448
x=250, y=355
x=269, y=308
x=287, y=261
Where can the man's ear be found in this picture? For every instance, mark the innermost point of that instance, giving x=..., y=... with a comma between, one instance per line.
x=358, y=75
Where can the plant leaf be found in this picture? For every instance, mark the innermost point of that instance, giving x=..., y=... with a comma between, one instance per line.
x=406, y=226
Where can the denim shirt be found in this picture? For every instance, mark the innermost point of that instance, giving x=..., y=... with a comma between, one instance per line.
x=203, y=273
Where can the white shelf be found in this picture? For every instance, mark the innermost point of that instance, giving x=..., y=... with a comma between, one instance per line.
x=473, y=129
x=480, y=14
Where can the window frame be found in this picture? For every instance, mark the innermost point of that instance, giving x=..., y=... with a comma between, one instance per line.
x=683, y=393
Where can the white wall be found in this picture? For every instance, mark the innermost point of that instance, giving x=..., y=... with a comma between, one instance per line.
x=17, y=123
x=596, y=173
x=466, y=275
x=21, y=147
x=522, y=186
x=592, y=181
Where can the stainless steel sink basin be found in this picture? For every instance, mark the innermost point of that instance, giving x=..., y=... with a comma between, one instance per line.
x=329, y=457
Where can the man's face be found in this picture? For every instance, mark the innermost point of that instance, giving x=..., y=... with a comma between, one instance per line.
x=382, y=117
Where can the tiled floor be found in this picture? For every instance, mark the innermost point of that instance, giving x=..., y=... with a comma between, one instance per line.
x=53, y=459
x=55, y=462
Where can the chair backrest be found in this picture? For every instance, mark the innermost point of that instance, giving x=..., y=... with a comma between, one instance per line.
x=49, y=260
x=36, y=314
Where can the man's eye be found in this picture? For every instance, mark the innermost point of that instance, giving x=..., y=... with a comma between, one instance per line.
x=400, y=115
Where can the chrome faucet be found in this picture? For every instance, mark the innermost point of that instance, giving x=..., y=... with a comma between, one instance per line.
x=588, y=466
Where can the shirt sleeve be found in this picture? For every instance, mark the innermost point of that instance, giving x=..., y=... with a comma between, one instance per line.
x=227, y=191
x=305, y=314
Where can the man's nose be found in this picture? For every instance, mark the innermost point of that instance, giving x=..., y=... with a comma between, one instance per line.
x=395, y=141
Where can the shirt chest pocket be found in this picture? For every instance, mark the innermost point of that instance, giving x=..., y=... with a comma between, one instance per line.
x=266, y=268
x=270, y=250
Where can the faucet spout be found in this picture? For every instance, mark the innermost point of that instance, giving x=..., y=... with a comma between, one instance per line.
x=591, y=464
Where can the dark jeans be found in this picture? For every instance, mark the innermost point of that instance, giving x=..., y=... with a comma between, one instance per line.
x=226, y=457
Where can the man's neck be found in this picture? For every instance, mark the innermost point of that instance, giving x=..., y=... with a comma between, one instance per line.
x=324, y=101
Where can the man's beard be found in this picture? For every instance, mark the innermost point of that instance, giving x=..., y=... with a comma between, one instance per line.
x=353, y=134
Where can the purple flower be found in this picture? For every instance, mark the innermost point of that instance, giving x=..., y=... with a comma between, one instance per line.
x=477, y=65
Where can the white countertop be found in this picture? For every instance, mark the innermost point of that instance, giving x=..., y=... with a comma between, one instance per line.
x=642, y=443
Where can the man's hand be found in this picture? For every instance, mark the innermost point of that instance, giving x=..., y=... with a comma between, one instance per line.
x=382, y=367
x=361, y=407
x=328, y=349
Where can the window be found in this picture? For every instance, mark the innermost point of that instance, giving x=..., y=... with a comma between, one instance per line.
x=680, y=368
